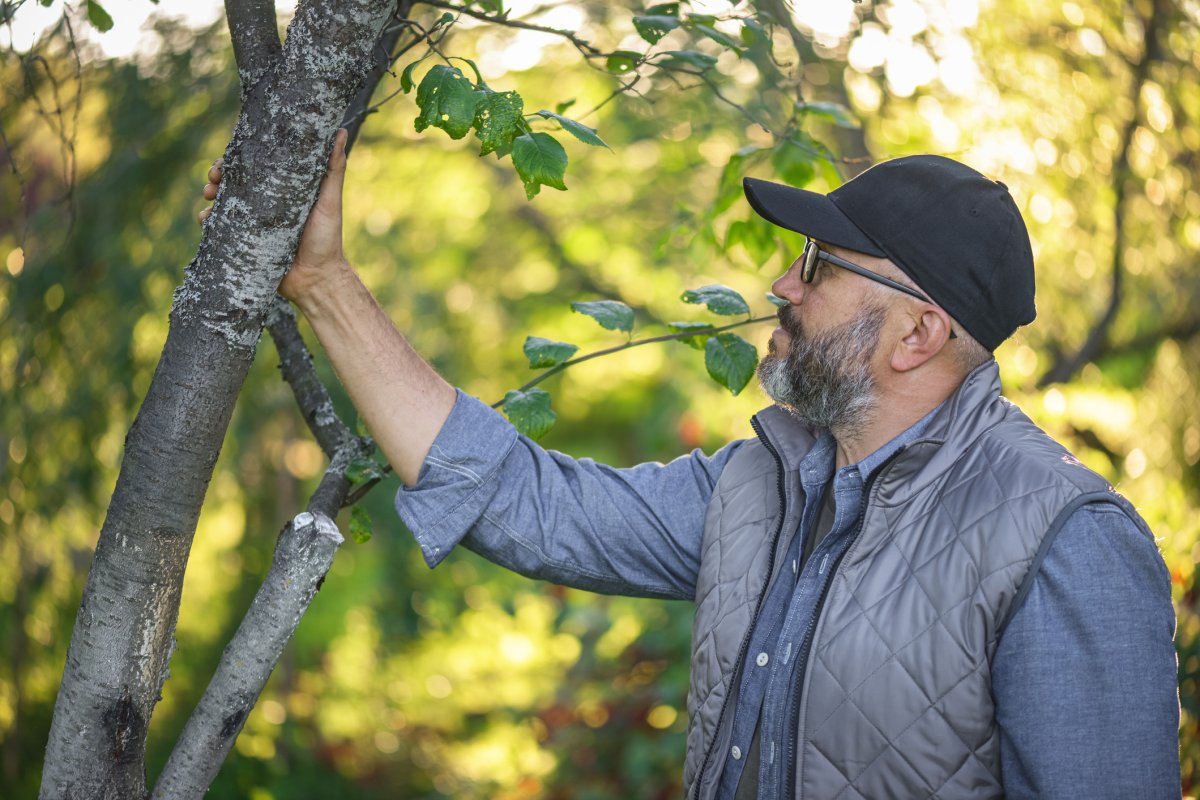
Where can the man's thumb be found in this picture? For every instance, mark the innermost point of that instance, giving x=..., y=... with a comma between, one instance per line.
x=335, y=174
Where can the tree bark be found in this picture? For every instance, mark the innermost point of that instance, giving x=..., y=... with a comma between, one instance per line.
x=123, y=634
x=303, y=555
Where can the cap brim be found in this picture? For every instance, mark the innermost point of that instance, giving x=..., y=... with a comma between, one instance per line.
x=809, y=213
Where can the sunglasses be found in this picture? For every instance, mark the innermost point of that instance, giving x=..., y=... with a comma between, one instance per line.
x=813, y=253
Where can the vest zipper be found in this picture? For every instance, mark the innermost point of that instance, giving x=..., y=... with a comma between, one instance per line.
x=757, y=608
x=789, y=763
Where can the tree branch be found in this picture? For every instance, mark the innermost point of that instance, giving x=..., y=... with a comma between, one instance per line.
x=1066, y=366
x=582, y=45
x=303, y=555
x=667, y=337
x=254, y=30
x=295, y=362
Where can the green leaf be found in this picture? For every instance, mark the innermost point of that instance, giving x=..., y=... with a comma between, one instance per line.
x=360, y=427
x=46, y=3
x=654, y=27
x=698, y=341
x=544, y=353
x=755, y=234
x=447, y=100
x=752, y=32
x=445, y=19
x=834, y=112
x=689, y=58
x=576, y=128
x=611, y=314
x=529, y=412
x=564, y=105
x=491, y=6
x=623, y=61
x=498, y=120
x=475, y=69
x=406, y=80
x=540, y=161
x=730, y=360
x=361, y=527
x=776, y=300
x=719, y=300
x=729, y=188
x=363, y=470
x=99, y=17
x=718, y=37
x=663, y=10
x=795, y=161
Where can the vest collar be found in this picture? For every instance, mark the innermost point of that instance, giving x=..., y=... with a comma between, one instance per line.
x=975, y=407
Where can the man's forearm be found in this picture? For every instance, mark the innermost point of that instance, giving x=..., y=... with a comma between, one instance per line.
x=402, y=399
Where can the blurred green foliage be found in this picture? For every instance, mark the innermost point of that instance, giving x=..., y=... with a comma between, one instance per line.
x=469, y=681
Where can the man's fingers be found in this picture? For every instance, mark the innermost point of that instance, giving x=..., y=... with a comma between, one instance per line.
x=214, y=172
x=203, y=215
x=210, y=191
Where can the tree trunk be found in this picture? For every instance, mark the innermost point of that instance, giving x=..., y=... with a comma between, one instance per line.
x=123, y=634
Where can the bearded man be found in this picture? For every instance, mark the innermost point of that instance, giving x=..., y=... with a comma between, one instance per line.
x=903, y=587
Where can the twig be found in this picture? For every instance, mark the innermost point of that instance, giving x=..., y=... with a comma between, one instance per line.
x=636, y=343
x=745, y=112
x=582, y=45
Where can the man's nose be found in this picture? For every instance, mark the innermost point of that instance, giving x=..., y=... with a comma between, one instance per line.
x=789, y=286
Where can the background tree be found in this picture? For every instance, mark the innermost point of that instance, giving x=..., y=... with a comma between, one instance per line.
x=391, y=684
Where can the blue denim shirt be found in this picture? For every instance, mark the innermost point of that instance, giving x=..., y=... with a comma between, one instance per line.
x=1084, y=678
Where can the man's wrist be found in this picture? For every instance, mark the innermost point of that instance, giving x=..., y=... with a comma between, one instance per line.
x=322, y=295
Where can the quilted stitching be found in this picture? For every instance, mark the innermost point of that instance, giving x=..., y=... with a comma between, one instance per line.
x=897, y=701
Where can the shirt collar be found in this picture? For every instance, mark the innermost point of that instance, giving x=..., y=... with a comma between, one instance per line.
x=817, y=466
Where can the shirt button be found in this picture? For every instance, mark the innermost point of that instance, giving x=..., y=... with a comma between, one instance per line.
x=736, y=752
x=762, y=659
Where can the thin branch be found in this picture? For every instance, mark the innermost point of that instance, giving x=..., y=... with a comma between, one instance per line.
x=620, y=90
x=296, y=364
x=362, y=490
x=253, y=27
x=746, y=113
x=636, y=343
x=582, y=45
x=1066, y=366
x=385, y=54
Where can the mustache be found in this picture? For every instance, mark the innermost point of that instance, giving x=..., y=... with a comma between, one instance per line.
x=790, y=324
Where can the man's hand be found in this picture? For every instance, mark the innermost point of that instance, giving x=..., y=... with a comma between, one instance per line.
x=319, y=262
x=403, y=401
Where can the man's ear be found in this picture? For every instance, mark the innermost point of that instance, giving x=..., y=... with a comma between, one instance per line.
x=928, y=334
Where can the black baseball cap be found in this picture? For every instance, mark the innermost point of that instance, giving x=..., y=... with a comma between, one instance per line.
x=956, y=233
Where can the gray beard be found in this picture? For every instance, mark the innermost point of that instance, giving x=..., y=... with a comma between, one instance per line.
x=825, y=379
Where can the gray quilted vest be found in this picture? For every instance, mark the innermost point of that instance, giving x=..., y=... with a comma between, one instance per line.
x=896, y=698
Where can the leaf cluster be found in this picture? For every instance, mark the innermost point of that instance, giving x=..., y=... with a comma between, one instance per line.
x=729, y=359
x=447, y=99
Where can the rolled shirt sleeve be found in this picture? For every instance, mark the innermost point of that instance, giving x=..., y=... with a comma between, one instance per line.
x=1084, y=677
x=634, y=531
